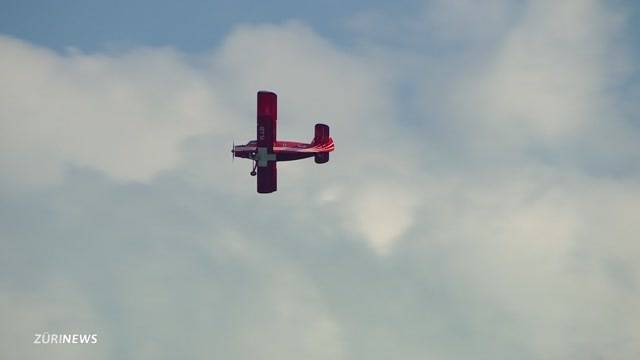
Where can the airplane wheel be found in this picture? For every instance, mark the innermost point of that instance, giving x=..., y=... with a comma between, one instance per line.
x=253, y=173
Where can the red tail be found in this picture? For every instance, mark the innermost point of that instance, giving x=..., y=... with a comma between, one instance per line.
x=321, y=133
x=321, y=136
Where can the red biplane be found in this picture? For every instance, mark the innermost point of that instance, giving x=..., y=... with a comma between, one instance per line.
x=267, y=150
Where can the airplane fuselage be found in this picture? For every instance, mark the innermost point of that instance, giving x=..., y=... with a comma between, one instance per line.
x=283, y=150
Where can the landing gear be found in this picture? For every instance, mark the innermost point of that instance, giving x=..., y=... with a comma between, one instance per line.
x=253, y=171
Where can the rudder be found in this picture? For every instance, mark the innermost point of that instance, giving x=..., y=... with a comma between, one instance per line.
x=321, y=133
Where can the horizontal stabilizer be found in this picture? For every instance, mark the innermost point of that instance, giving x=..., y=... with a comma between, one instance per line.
x=321, y=158
x=321, y=133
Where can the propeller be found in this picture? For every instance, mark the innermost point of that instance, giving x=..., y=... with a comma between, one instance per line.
x=233, y=150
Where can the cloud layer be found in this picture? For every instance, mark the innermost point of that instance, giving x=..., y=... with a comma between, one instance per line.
x=481, y=202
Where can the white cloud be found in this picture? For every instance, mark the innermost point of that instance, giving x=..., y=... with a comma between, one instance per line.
x=547, y=83
x=531, y=246
x=382, y=213
x=123, y=114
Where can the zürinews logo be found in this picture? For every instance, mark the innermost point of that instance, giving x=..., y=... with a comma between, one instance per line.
x=47, y=338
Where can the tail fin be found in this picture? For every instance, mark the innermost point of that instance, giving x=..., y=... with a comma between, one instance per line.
x=321, y=133
x=321, y=136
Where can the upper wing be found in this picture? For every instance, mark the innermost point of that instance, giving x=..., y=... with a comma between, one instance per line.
x=267, y=116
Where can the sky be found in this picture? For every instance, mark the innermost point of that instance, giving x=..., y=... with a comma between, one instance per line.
x=483, y=200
